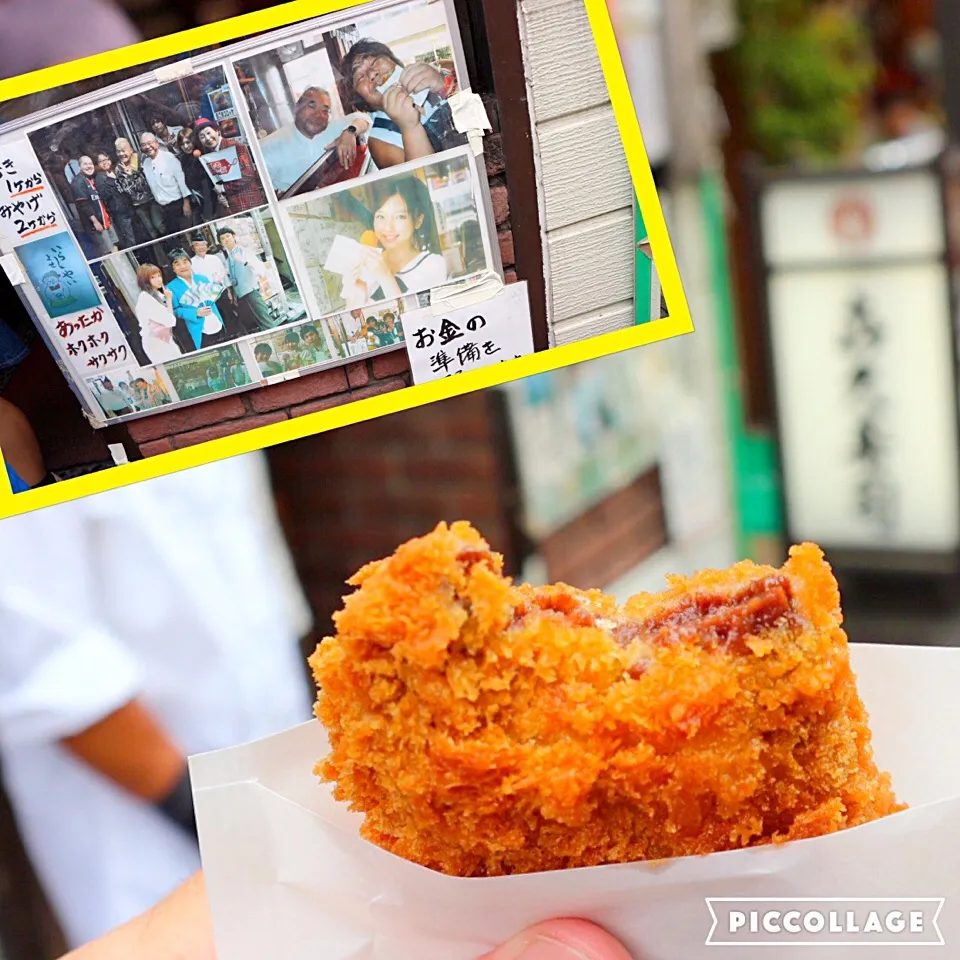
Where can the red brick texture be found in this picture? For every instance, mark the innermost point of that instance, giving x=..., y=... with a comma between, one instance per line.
x=317, y=391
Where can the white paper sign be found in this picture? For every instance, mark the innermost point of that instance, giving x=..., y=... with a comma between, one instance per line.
x=28, y=209
x=867, y=406
x=469, y=337
x=290, y=878
x=91, y=340
x=863, y=218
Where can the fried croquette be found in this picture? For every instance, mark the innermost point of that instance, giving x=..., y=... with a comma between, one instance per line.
x=485, y=728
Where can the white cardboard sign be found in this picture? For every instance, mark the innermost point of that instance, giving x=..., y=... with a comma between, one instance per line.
x=469, y=337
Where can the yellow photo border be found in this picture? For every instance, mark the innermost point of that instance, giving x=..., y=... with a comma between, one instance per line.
x=679, y=322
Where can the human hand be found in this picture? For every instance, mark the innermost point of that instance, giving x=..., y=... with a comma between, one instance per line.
x=354, y=290
x=187, y=209
x=421, y=76
x=562, y=940
x=161, y=332
x=97, y=225
x=400, y=108
x=346, y=146
x=203, y=312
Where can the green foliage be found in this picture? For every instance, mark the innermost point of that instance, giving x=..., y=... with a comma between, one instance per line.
x=804, y=69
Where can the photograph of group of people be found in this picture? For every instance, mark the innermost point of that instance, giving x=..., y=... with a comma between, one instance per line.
x=151, y=165
x=128, y=391
x=208, y=373
x=391, y=236
x=338, y=104
x=170, y=195
x=293, y=348
x=220, y=282
x=362, y=331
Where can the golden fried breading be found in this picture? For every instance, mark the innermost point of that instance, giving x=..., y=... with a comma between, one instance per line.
x=485, y=728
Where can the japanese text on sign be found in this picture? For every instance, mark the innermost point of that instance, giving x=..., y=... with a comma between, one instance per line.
x=862, y=342
x=91, y=340
x=27, y=206
x=467, y=338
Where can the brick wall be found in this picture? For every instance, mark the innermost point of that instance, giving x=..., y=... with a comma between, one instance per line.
x=221, y=417
x=353, y=494
x=609, y=540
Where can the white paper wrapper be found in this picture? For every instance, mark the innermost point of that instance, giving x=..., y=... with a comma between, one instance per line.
x=289, y=877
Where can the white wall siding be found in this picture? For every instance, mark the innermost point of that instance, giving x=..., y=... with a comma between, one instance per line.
x=586, y=195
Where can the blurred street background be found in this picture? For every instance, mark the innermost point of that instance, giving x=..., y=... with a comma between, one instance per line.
x=804, y=155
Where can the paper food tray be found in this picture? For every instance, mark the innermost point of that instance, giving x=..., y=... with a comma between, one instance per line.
x=290, y=878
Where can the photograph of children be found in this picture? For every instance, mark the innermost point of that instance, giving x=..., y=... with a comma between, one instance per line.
x=367, y=96
x=293, y=348
x=208, y=373
x=129, y=391
x=151, y=165
x=217, y=283
x=361, y=331
x=397, y=234
x=57, y=271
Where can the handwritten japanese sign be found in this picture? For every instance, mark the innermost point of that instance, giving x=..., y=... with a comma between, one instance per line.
x=862, y=342
x=91, y=340
x=860, y=325
x=58, y=272
x=28, y=208
x=470, y=337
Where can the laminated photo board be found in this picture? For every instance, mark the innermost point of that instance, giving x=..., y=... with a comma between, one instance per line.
x=116, y=205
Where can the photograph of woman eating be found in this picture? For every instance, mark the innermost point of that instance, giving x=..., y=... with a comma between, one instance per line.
x=410, y=115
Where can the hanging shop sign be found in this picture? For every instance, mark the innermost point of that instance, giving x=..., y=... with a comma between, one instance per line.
x=863, y=360
x=271, y=207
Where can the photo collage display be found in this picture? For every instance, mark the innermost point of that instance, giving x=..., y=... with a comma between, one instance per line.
x=267, y=215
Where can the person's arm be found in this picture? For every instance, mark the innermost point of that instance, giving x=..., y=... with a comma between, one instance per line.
x=81, y=197
x=65, y=677
x=180, y=928
x=20, y=446
x=130, y=748
x=360, y=121
x=399, y=106
x=186, y=312
x=385, y=154
x=181, y=184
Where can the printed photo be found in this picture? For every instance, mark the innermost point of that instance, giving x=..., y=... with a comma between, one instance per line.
x=207, y=373
x=217, y=283
x=292, y=348
x=151, y=165
x=57, y=271
x=361, y=331
x=333, y=106
x=393, y=236
x=126, y=391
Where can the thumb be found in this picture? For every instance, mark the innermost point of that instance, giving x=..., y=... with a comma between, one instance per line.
x=562, y=940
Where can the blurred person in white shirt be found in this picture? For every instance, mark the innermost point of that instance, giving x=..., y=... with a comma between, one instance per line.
x=138, y=627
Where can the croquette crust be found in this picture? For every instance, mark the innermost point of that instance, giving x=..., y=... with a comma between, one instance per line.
x=485, y=728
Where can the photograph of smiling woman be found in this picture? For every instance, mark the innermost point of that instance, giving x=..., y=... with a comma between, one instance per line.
x=408, y=255
x=392, y=236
